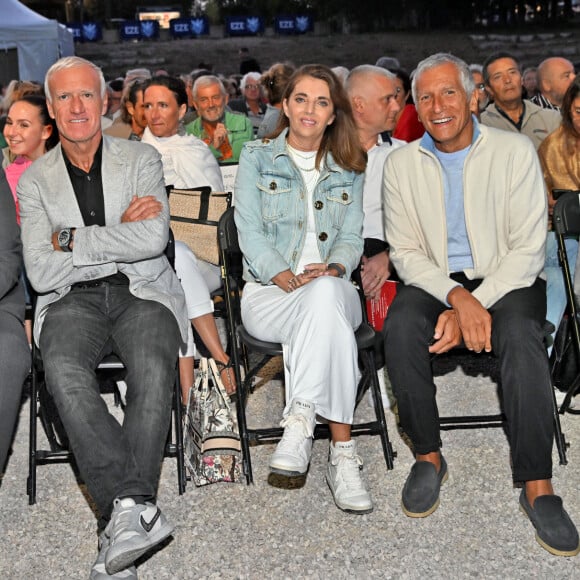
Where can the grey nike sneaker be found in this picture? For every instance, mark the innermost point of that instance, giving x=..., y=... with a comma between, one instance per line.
x=133, y=530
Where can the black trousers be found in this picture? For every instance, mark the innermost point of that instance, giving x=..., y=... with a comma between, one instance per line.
x=517, y=340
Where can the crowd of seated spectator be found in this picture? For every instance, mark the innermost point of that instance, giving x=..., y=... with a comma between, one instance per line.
x=291, y=132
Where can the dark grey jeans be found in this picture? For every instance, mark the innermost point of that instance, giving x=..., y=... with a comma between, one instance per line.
x=14, y=366
x=517, y=340
x=78, y=331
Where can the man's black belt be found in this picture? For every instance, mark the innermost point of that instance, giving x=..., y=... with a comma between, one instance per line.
x=101, y=282
x=91, y=284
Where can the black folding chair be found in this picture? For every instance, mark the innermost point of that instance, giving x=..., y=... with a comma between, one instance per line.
x=43, y=409
x=566, y=222
x=195, y=214
x=231, y=258
x=484, y=421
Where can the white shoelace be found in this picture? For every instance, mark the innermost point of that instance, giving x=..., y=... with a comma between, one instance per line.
x=349, y=470
x=296, y=429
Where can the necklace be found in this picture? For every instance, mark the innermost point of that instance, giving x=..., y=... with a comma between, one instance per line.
x=309, y=157
x=304, y=168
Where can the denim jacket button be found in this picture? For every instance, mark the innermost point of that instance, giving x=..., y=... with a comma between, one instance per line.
x=273, y=185
x=318, y=205
x=323, y=236
x=344, y=196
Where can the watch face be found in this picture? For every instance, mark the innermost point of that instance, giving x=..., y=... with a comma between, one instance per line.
x=64, y=238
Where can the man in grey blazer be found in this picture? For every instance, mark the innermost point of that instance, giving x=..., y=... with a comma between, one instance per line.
x=14, y=351
x=95, y=224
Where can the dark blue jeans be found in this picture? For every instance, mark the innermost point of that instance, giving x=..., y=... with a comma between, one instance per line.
x=517, y=340
x=79, y=330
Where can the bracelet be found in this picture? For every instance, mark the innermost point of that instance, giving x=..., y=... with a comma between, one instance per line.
x=337, y=268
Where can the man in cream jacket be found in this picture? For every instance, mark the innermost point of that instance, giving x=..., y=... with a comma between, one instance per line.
x=465, y=214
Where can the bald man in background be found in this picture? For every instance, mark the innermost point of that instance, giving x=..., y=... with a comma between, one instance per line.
x=554, y=77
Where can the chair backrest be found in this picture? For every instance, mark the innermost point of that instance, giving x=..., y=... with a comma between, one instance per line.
x=194, y=216
x=231, y=262
x=228, y=232
x=231, y=257
x=566, y=217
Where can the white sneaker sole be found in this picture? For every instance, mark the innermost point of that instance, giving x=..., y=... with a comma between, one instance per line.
x=348, y=508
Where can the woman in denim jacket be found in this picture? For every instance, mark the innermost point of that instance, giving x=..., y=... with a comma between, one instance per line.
x=299, y=216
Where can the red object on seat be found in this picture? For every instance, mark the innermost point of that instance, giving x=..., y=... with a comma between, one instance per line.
x=378, y=309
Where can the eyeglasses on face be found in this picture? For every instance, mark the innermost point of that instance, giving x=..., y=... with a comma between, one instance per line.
x=252, y=87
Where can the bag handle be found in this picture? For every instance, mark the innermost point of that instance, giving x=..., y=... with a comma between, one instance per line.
x=200, y=385
x=218, y=382
x=204, y=204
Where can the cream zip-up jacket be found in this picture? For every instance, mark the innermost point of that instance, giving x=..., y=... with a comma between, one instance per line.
x=505, y=215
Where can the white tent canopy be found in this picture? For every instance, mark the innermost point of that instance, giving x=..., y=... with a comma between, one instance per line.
x=39, y=42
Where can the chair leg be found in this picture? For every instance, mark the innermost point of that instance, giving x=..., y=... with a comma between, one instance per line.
x=369, y=367
x=179, y=453
x=559, y=436
x=241, y=396
x=243, y=428
x=32, y=440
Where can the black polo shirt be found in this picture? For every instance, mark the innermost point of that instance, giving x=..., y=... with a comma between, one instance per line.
x=88, y=188
x=517, y=125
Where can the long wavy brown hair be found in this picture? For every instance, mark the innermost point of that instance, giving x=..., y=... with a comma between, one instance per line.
x=341, y=137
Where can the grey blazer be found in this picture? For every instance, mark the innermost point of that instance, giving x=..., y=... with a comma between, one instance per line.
x=48, y=203
x=11, y=289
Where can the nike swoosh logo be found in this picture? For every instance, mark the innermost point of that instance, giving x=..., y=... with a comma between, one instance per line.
x=148, y=526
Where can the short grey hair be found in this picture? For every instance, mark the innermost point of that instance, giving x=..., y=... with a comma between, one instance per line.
x=365, y=70
x=207, y=81
x=250, y=76
x=69, y=62
x=437, y=60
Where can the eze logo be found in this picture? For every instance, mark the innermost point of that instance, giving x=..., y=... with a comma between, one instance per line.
x=286, y=24
x=253, y=24
x=90, y=31
x=132, y=30
x=197, y=26
x=182, y=27
x=237, y=26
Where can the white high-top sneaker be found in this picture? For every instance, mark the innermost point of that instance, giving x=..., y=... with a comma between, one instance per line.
x=344, y=477
x=292, y=455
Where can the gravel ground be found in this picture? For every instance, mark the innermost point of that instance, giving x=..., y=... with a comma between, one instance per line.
x=234, y=531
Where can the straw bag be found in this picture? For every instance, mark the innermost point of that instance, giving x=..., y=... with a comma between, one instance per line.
x=210, y=432
x=194, y=215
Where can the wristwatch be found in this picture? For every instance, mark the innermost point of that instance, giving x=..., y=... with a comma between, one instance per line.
x=65, y=238
x=337, y=268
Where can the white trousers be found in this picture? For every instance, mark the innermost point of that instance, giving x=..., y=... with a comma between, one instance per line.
x=198, y=279
x=315, y=325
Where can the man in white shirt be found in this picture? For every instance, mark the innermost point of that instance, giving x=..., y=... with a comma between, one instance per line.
x=372, y=91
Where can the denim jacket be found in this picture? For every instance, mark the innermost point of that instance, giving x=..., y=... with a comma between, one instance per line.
x=271, y=211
